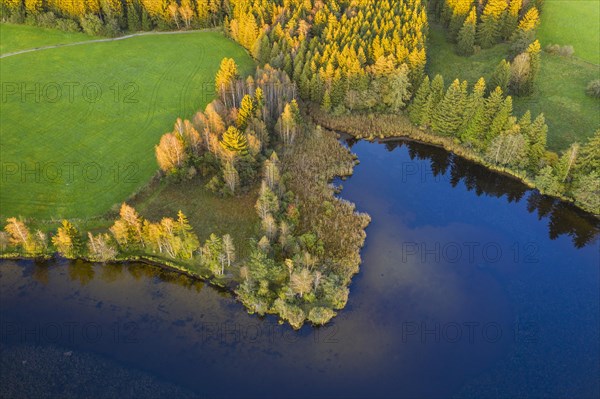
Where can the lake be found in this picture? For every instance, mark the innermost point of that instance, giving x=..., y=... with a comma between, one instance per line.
x=471, y=285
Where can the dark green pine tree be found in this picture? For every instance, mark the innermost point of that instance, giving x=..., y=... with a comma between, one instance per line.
x=492, y=105
x=501, y=76
x=287, y=64
x=304, y=82
x=466, y=35
x=448, y=115
x=417, y=107
x=525, y=125
x=474, y=134
x=589, y=156
x=262, y=50
x=501, y=120
x=326, y=104
x=338, y=91
x=470, y=129
x=134, y=18
x=435, y=96
x=147, y=23
x=316, y=89
x=298, y=66
x=487, y=32
x=456, y=22
x=537, y=137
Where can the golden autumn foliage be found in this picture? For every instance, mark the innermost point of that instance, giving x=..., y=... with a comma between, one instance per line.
x=170, y=152
x=66, y=240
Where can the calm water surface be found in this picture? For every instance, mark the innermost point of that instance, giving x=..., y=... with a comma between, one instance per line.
x=471, y=286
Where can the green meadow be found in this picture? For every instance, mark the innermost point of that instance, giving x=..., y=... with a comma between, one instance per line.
x=79, y=124
x=575, y=23
x=560, y=88
x=22, y=37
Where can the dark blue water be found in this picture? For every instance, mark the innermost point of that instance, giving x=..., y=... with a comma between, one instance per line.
x=472, y=286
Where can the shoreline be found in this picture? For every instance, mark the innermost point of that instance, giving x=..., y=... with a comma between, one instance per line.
x=159, y=263
x=412, y=133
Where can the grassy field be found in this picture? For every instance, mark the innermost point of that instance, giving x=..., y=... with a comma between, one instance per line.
x=78, y=130
x=574, y=22
x=207, y=212
x=22, y=37
x=560, y=93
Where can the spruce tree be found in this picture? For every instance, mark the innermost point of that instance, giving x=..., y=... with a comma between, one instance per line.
x=489, y=29
x=525, y=126
x=460, y=10
x=435, y=96
x=134, y=19
x=470, y=129
x=466, y=35
x=147, y=23
x=564, y=169
x=537, y=136
x=262, y=50
x=417, y=107
x=326, y=104
x=500, y=120
x=511, y=20
x=589, y=157
x=448, y=115
x=501, y=76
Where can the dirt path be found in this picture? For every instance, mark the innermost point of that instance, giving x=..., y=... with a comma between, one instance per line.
x=114, y=39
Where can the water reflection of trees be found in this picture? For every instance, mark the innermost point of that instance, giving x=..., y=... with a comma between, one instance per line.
x=84, y=272
x=80, y=271
x=563, y=218
x=139, y=270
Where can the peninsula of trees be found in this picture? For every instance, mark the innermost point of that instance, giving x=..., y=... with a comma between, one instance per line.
x=308, y=249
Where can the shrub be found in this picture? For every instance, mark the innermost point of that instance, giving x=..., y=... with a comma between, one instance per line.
x=17, y=16
x=92, y=24
x=563, y=51
x=111, y=28
x=593, y=88
x=47, y=20
x=30, y=19
x=320, y=315
x=566, y=51
x=292, y=313
x=67, y=25
x=552, y=48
